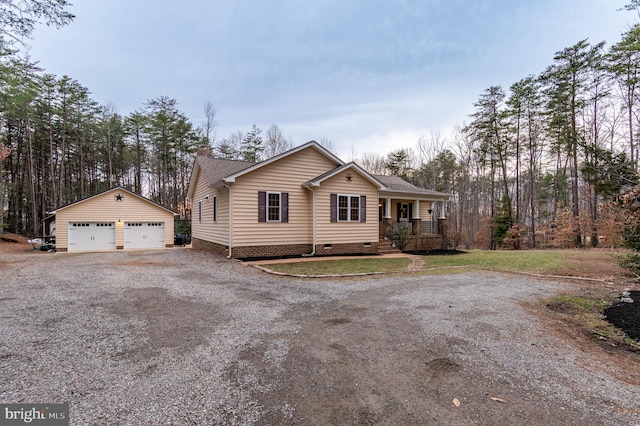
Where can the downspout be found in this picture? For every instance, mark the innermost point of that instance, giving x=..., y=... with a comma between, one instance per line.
x=313, y=223
x=230, y=218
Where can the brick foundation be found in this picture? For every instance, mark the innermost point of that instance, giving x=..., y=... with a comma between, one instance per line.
x=209, y=246
x=286, y=250
x=271, y=251
x=347, y=248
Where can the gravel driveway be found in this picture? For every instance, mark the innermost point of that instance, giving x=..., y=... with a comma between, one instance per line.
x=184, y=337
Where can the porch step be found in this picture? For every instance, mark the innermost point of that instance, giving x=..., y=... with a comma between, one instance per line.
x=385, y=247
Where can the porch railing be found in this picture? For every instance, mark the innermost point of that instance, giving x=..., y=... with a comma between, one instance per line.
x=406, y=228
x=429, y=227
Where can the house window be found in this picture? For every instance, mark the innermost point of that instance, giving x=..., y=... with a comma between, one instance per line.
x=215, y=209
x=343, y=208
x=348, y=208
x=354, y=209
x=273, y=206
x=199, y=211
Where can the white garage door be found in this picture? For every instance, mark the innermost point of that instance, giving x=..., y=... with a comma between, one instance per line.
x=90, y=236
x=142, y=235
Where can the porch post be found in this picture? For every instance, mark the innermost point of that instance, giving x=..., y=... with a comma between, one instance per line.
x=386, y=220
x=416, y=226
x=442, y=226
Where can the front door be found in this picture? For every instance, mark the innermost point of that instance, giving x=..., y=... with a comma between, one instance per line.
x=405, y=213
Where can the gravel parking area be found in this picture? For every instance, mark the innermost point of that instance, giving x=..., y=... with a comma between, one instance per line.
x=183, y=337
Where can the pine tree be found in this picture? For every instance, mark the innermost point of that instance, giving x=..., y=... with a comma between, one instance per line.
x=624, y=65
x=489, y=129
x=565, y=89
x=18, y=18
x=252, y=145
x=398, y=163
x=523, y=114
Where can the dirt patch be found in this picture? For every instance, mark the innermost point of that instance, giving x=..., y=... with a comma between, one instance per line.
x=142, y=263
x=169, y=321
x=443, y=365
x=583, y=327
x=350, y=364
x=588, y=308
x=329, y=370
x=14, y=243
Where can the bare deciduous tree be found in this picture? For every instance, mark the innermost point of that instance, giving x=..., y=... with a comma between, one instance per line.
x=275, y=142
x=209, y=126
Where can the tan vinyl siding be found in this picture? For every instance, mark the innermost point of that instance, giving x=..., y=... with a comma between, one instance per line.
x=424, y=210
x=285, y=175
x=346, y=232
x=207, y=229
x=104, y=208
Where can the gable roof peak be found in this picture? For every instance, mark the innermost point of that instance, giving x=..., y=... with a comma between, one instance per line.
x=311, y=144
x=347, y=166
x=113, y=188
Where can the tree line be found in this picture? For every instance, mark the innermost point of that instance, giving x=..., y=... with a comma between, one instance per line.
x=541, y=163
x=59, y=145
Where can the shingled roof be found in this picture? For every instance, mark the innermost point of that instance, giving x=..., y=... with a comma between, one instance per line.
x=215, y=169
x=396, y=184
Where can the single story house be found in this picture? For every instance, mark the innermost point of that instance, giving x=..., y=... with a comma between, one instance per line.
x=307, y=201
x=116, y=219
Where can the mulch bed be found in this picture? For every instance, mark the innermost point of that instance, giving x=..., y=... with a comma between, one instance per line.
x=437, y=252
x=625, y=315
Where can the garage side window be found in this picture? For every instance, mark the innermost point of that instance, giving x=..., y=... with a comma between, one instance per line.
x=215, y=209
x=199, y=211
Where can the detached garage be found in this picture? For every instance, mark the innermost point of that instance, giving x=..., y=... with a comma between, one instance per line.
x=116, y=219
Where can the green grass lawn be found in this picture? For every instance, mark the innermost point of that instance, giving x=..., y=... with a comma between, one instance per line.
x=342, y=266
x=530, y=261
x=586, y=263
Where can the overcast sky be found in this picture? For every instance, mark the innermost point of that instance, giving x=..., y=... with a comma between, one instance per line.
x=369, y=75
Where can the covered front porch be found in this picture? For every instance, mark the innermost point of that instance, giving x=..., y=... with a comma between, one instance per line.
x=415, y=224
x=411, y=218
